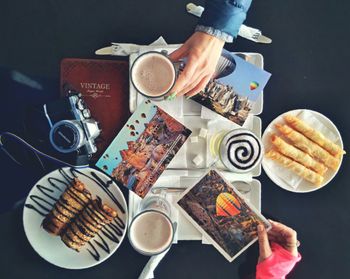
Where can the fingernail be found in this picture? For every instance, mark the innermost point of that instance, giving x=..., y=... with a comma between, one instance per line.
x=171, y=97
x=188, y=97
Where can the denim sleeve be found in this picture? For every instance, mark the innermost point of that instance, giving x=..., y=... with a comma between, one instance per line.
x=226, y=16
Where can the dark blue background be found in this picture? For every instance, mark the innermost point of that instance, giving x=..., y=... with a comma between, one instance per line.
x=309, y=59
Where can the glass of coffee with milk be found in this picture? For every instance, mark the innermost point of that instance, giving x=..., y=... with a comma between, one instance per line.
x=151, y=231
x=153, y=74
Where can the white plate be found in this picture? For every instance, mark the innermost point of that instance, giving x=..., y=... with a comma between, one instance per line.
x=50, y=247
x=272, y=173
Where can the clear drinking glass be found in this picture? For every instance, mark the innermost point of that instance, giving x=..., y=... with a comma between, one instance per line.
x=175, y=67
x=157, y=202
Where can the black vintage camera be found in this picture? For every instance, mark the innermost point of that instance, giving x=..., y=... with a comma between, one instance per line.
x=64, y=129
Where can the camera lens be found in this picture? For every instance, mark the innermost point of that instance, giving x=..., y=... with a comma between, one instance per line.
x=66, y=136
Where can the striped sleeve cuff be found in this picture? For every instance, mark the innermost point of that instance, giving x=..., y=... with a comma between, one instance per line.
x=215, y=33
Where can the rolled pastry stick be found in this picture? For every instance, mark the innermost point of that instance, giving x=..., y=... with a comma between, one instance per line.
x=87, y=224
x=294, y=166
x=71, y=202
x=298, y=155
x=308, y=146
x=314, y=135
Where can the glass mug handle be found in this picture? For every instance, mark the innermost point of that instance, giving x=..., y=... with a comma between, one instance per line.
x=179, y=65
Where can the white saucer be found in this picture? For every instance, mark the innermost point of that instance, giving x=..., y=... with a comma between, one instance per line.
x=50, y=247
x=272, y=172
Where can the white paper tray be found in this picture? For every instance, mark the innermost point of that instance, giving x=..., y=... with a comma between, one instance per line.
x=182, y=172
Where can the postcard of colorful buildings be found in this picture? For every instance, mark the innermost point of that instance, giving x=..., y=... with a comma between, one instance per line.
x=143, y=148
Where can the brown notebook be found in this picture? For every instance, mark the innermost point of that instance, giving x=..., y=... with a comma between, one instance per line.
x=104, y=85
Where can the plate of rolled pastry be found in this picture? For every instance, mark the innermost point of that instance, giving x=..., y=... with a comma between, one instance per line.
x=303, y=150
x=75, y=218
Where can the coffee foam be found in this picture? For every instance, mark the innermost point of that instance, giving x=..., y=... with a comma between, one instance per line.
x=153, y=74
x=151, y=232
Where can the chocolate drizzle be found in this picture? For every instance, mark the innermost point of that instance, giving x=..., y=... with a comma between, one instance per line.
x=103, y=185
x=119, y=222
x=95, y=254
x=43, y=204
x=30, y=206
x=103, y=245
x=246, y=150
x=53, y=181
x=111, y=234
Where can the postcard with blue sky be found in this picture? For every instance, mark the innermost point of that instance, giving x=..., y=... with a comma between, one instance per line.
x=235, y=89
x=143, y=148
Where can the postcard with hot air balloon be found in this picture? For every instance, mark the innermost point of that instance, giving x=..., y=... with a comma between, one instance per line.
x=221, y=214
x=235, y=89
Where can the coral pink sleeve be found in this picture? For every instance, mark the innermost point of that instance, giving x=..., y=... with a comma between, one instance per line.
x=278, y=265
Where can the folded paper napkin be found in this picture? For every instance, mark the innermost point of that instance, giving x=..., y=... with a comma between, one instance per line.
x=125, y=49
x=148, y=270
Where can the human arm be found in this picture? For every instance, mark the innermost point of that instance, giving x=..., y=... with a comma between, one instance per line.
x=224, y=17
x=278, y=251
x=219, y=23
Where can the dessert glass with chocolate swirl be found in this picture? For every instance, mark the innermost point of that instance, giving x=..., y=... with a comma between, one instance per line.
x=239, y=150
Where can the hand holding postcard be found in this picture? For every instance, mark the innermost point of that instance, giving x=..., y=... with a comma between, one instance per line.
x=235, y=90
x=219, y=212
x=143, y=148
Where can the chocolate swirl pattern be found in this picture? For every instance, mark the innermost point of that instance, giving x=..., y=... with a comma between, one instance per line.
x=243, y=150
x=45, y=199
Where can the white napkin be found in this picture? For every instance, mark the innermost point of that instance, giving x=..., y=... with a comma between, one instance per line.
x=249, y=33
x=148, y=270
x=125, y=49
x=289, y=177
x=245, y=31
